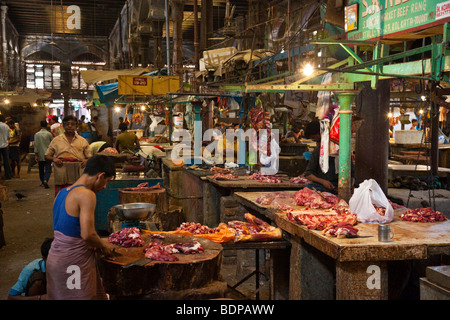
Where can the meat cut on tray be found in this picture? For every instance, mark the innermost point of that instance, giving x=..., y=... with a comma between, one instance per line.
x=197, y=228
x=254, y=229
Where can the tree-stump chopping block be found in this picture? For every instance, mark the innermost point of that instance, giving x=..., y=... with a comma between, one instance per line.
x=133, y=275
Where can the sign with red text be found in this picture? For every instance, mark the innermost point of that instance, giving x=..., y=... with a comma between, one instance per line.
x=382, y=19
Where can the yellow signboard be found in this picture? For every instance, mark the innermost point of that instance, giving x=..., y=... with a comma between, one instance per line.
x=148, y=85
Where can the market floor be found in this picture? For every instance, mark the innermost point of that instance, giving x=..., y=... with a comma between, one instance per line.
x=28, y=221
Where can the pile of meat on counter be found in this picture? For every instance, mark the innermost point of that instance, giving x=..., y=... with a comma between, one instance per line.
x=224, y=176
x=422, y=215
x=222, y=173
x=156, y=249
x=258, y=176
x=254, y=229
x=321, y=211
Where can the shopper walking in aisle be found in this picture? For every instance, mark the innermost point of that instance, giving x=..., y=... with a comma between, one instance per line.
x=14, y=148
x=4, y=139
x=42, y=140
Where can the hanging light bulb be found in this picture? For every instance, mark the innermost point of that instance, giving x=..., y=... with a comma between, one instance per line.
x=308, y=70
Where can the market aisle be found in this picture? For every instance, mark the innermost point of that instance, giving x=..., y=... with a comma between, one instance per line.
x=27, y=222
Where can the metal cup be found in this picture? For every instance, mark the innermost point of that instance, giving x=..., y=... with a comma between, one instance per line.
x=385, y=234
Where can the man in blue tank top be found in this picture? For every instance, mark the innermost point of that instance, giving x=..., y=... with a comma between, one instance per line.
x=72, y=272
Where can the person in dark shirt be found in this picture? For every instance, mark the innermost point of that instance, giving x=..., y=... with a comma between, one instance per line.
x=321, y=181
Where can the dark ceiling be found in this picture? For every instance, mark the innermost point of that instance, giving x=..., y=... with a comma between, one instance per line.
x=34, y=16
x=98, y=17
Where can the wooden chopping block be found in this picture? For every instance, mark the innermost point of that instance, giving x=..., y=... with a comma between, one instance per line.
x=156, y=196
x=132, y=274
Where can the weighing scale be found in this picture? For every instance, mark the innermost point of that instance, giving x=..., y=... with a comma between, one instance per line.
x=133, y=215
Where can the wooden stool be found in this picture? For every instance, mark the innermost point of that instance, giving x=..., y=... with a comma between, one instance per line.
x=268, y=245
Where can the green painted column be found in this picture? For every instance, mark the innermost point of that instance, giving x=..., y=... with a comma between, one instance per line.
x=345, y=99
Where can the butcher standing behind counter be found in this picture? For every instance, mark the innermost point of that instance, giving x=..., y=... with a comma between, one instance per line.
x=69, y=153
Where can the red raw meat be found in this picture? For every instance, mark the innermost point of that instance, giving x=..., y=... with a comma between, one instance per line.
x=299, y=180
x=189, y=247
x=258, y=176
x=197, y=228
x=156, y=250
x=422, y=215
x=309, y=198
x=144, y=187
x=340, y=230
x=127, y=237
x=224, y=176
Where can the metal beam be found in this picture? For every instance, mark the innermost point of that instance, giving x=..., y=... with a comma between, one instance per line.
x=343, y=87
x=392, y=57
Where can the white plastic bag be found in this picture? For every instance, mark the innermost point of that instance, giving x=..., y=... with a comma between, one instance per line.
x=363, y=200
x=324, y=145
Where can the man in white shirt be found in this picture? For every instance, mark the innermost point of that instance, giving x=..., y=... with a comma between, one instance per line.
x=42, y=140
x=4, y=141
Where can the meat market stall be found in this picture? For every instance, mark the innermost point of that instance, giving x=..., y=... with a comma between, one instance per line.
x=330, y=267
x=221, y=188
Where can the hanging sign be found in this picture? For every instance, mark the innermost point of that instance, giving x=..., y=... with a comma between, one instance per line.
x=147, y=85
x=384, y=19
x=351, y=18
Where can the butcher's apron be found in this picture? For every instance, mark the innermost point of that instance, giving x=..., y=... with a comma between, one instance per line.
x=67, y=174
x=72, y=272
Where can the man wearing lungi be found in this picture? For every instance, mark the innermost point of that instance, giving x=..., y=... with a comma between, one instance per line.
x=72, y=272
x=69, y=153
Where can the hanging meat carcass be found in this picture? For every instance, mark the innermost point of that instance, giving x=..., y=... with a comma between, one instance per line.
x=260, y=119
